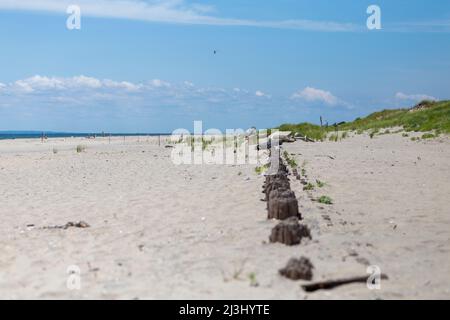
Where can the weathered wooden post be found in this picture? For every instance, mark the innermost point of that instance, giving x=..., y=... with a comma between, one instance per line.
x=298, y=269
x=290, y=232
x=282, y=204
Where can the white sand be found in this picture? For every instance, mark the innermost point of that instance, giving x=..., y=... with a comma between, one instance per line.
x=165, y=231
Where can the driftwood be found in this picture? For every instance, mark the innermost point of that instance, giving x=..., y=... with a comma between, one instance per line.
x=80, y=224
x=325, y=156
x=303, y=138
x=298, y=269
x=331, y=284
x=264, y=145
x=282, y=136
x=290, y=232
x=282, y=204
x=278, y=137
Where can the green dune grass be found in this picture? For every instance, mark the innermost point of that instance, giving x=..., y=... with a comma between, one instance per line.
x=427, y=116
x=307, y=129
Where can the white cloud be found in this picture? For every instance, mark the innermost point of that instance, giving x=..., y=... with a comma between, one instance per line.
x=42, y=83
x=414, y=97
x=38, y=82
x=166, y=11
x=89, y=91
x=128, y=86
x=316, y=95
x=261, y=94
x=23, y=85
x=159, y=83
x=83, y=81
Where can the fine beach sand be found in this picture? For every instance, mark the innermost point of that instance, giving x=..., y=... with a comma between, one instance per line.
x=161, y=231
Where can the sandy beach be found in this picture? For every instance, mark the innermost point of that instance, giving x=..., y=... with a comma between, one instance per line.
x=162, y=231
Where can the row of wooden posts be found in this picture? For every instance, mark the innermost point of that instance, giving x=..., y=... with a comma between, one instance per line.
x=282, y=205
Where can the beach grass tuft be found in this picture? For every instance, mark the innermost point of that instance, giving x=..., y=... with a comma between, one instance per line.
x=325, y=200
x=334, y=138
x=80, y=148
x=253, y=280
x=429, y=136
x=290, y=161
x=320, y=184
x=262, y=169
x=308, y=187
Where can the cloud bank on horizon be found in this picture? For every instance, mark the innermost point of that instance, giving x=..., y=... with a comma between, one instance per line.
x=83, y=85
x=135, y=106
x=86, y=87
x=84, y=90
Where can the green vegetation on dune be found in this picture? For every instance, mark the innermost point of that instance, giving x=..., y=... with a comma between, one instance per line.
x=309, y=130
x=425, y=117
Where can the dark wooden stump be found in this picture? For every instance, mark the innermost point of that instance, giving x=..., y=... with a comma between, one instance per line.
x=274, y=177
x=282, y=168
x=276, y=182
x=290, y=232
x=282, y=204
x=298, y=269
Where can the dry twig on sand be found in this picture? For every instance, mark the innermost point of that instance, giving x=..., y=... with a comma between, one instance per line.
x=331, y=284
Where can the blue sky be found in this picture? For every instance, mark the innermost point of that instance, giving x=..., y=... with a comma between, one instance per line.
x=149, y=66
